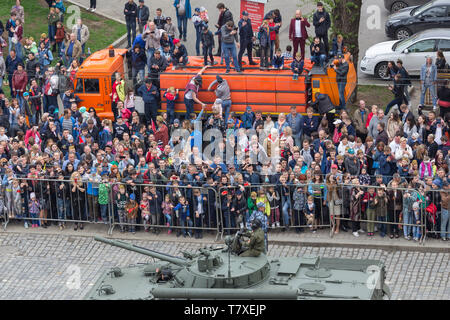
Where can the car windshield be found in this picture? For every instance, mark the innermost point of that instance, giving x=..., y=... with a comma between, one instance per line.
x=405, y=43
x=422, y=8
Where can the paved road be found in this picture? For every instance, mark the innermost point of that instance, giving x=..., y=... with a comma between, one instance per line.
x=38, y=266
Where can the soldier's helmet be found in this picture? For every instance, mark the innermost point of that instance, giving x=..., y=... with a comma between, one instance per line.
x=256, y=224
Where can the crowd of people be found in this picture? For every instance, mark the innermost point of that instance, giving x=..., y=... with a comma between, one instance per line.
x=348, y=171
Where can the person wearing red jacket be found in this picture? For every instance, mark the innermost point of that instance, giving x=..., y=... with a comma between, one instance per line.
x=298, y=33
x=19, y=83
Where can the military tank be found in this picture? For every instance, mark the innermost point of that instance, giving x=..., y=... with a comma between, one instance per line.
x=216, y=272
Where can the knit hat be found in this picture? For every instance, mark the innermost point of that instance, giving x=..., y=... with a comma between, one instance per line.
x=82, y=110
x=32, y=195
x=132, y=196
x=438, y=183
x=175, y=41
x=218, y=101
x=26, y=94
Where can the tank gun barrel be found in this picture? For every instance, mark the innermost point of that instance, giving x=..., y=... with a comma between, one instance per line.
x=195, y=293
x=147, y=252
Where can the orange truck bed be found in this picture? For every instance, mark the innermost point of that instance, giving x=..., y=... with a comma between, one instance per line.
x=271, y=91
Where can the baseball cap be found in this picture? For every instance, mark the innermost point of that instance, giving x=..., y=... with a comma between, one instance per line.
x=334, y=166
x=261, y=205
x=218, y=101
x=244, y=13
x=176, y=121
x=26, y=94
x=175, y=41
x=351, y=151
x=132, y=196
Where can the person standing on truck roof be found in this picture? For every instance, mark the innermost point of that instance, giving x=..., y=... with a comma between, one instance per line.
x=208, y=45
x=191, y=92
x=224, y=16
x=149, y=94
x=246, y=38
x=223, y=93
x=130, y=12
x=152, y=37
x=183, y=8
x=341, y=79
x=298, y=33
x=229, y=36
x=322, y=22
x=143, y=13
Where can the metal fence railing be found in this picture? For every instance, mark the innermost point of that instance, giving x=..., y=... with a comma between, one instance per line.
x=164, y=207
x=285, y=207
x=186, y=210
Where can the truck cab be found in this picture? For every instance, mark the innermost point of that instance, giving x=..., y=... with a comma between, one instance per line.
x=95, y=77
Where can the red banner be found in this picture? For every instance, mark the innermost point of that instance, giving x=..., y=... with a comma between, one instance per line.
x=255, y=12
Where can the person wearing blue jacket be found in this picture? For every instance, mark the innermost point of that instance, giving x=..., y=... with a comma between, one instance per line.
x=248, y=117
x=183, y=217
x=310, y=122
x=295, y=121
x=183, y=8
x=149, y=94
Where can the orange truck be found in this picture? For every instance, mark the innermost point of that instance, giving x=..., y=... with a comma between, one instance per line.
x=271, y=91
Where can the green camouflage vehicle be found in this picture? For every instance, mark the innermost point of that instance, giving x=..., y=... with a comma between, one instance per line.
x=220, y=273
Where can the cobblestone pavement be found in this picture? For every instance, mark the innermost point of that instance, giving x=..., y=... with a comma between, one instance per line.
x=41, y=266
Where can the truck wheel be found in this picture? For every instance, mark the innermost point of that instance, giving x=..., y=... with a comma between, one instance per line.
x=398, y=5
x=402, y=33
x=381, y=70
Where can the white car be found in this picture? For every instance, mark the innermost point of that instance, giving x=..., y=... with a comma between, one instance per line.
x=411, y=51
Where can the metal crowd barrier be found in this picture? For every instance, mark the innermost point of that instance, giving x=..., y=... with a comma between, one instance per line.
x=57, y=202
x=395, y=221
x=81, y=206
x=282, y=217
x=157, y=221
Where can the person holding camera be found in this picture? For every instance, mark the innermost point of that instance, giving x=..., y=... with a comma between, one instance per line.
x=152, y=37
x=318, y=52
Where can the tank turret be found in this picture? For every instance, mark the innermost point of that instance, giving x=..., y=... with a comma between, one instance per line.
x=220, y=273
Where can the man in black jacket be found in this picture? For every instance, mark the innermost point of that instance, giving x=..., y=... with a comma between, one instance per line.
x=246, y=38
x=130, y=13
x=318, y=53
x=158, y=64
x=224, y=17
x=143, y=13
x=30, y=67
x=322, y=22
x=341, y=79
x=208, y=45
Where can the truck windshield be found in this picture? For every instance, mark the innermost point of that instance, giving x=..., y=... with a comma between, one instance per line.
x=91, y=86
x=87, y=86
